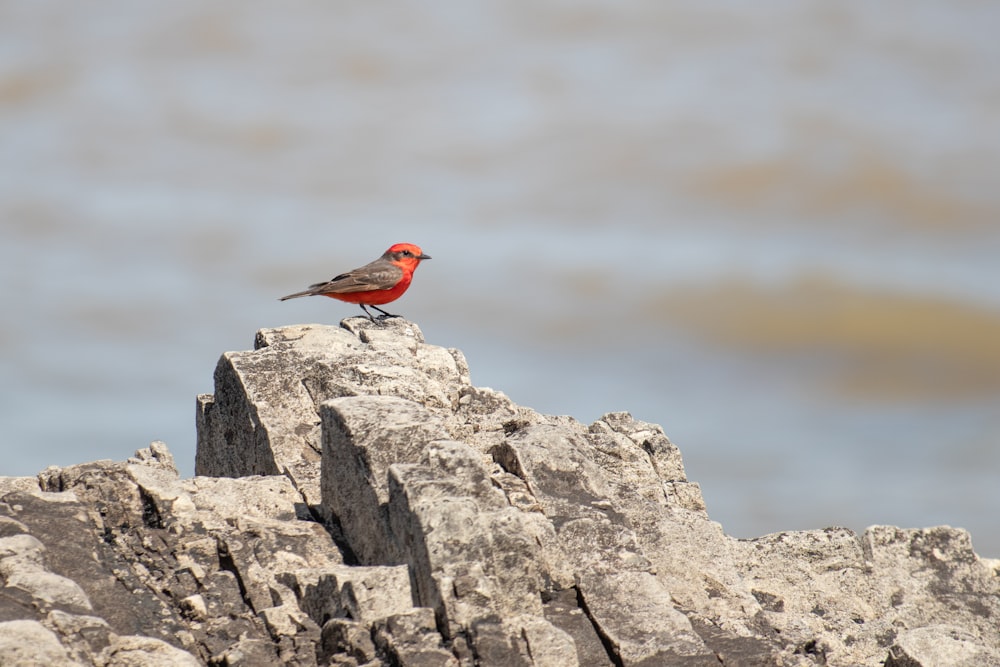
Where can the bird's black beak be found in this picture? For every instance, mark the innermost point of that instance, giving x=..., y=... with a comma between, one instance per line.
x=423, y=256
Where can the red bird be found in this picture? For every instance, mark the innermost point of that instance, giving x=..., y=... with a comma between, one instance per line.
x=373, y=284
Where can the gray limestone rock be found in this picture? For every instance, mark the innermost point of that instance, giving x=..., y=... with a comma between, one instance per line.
x=359, y=503
x=940, y=645
x=362, y=437
x=28, y=642
x=263, y=418
x=412, y=640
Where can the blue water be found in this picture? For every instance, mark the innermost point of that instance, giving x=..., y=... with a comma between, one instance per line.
x=167, y=172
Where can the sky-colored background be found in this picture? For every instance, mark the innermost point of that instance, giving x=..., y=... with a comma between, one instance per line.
x=771, y=228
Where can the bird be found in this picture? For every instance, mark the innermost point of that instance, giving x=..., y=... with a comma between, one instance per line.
x=375, y=283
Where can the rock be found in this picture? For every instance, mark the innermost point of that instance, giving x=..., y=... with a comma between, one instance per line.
x=812, y=588
x=564, y=610
x=913, y=570
x=365, y=594
x=362, y=436
x=22, y=567
x=263, y=417
x=461, y=537
x=350, y=639
x=25, y=642
x=412, y=640
x=145, y=652
x=186, y=571
x=940, y=645
x=547, y=645
x=359, y=503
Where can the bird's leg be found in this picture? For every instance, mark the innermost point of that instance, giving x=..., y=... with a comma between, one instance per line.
x=366, y=311
x=385, y=314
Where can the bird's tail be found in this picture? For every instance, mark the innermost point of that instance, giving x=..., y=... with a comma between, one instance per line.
x=314, y=289
x=307, y=292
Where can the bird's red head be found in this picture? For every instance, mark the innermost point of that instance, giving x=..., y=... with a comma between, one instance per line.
x=405, y=254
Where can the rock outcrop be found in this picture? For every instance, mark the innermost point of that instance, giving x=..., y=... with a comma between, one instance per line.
x=359, y=502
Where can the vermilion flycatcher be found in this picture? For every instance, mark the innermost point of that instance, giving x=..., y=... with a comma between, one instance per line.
x=374, y=284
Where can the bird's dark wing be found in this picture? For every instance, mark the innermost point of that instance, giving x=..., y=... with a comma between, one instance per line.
x=378, y=275
x=375, y=276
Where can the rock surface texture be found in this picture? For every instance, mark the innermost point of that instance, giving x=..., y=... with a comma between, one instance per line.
x=360, y=502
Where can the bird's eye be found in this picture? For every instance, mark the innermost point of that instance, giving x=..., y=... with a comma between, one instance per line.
x=408, y=253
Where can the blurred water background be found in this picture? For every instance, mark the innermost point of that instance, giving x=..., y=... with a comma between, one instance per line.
x=770, y=227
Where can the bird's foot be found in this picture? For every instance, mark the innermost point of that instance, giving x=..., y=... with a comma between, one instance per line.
x=384, y=314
